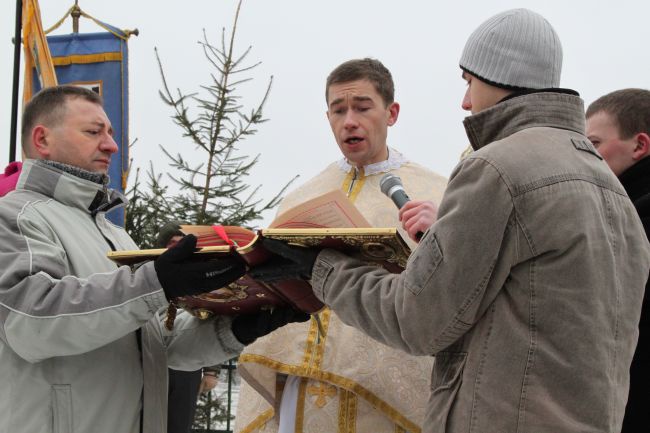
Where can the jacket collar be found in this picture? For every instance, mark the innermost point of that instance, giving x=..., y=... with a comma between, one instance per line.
x=636, y=179
x=68, y=189
x=550, y=109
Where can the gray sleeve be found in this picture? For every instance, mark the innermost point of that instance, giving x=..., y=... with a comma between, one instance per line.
x=450, y=279
x=45, y=312
x=194, y=343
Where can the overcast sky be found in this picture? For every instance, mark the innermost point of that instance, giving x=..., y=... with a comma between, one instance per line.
x=298, y=42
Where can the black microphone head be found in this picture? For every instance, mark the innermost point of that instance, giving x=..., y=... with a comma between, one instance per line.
x=388, y=183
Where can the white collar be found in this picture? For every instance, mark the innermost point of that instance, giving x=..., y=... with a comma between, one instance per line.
x=395, y=160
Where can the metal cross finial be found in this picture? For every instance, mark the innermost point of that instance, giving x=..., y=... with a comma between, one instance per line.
x=75, y=13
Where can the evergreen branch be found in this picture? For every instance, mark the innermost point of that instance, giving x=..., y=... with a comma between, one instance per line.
x=181, y=118
x=246, y=69
x=243, y=56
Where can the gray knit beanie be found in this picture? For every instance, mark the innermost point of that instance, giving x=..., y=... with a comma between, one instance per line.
x=516, y=49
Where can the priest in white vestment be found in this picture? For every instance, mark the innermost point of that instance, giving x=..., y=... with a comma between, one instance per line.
x=297, y=381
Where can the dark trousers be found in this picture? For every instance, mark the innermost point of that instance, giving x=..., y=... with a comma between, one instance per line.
x=183, y=392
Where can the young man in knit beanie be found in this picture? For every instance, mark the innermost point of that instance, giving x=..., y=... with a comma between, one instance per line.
x=528, y=287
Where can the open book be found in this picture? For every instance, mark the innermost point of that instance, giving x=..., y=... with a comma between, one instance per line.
x=327, y=221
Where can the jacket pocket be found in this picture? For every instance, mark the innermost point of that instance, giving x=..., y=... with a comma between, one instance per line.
x=423, y=263
x=446, y=380
x=62, y=408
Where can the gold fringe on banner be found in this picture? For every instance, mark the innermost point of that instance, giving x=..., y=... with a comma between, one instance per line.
x=37, y=52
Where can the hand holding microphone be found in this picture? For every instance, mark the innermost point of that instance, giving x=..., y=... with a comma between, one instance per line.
x=416, y=216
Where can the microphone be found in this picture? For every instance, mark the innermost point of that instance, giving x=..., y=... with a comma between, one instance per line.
x=391, y=186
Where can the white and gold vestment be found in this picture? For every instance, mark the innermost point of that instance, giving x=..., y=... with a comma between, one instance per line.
x=346, y=382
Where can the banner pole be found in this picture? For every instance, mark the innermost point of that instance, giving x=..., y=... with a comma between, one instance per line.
x=14, y=94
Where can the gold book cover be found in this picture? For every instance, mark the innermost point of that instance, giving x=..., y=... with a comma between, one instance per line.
x=379, y=246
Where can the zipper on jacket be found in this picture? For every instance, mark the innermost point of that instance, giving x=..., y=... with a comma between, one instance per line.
x=108, y=241
x=138, y=332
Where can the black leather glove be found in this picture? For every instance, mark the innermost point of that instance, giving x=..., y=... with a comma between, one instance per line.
x=249, y=327
x=181, y=274
x=290, y=262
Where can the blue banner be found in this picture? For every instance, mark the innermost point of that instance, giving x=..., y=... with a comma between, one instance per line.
x=99, y=61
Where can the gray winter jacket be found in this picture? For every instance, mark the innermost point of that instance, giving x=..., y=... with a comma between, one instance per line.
x=69, y=351
x=527, y=289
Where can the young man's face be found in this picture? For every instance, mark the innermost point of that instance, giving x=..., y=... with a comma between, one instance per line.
x=603, y=132
x=83, y=139
x=480, y=95
x=359, y=119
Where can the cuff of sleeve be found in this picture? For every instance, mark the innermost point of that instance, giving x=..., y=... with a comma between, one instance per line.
x=227, y=340
x=157, y=299
x=322, y=269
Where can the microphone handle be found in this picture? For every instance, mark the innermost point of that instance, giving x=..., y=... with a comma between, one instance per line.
x=400, y=198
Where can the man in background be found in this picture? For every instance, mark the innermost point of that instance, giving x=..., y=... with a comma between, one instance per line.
x=297, y=380
x=618, y=124
x=184, y=386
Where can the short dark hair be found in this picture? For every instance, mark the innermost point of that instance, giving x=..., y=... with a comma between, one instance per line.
x=629, y=108
x=168, y=231
x=48, y=107
x=364, y=69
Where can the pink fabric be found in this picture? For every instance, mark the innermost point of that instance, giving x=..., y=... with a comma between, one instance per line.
x=9, y=179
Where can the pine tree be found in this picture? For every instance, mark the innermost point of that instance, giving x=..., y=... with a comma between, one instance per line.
x=214, y=191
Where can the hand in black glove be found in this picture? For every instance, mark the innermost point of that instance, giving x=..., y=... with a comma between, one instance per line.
x=290, y=262
x=249, y=327
x=181, y=274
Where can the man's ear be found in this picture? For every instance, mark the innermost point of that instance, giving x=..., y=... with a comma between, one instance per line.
x=642, y=148
x=393, y=110
x=40, y=147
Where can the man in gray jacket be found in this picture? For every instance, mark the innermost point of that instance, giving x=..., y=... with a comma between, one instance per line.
x=82, y=342
x=528, y=287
